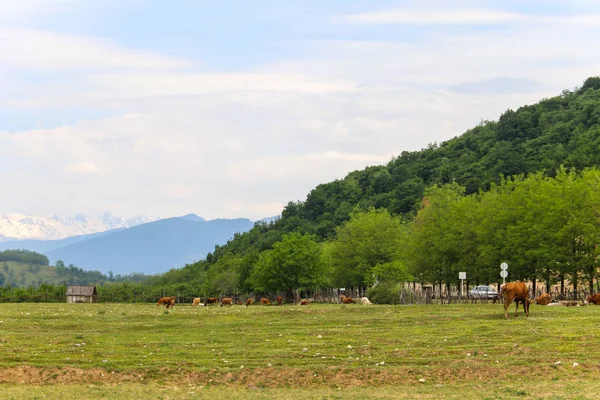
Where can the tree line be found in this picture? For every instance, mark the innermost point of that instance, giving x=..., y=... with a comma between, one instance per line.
x=24, y=256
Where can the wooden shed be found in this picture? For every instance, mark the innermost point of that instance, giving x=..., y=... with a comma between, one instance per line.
x=82, y=294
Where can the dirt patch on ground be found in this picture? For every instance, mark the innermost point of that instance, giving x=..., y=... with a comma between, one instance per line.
x=67, y=375
x=283, y=377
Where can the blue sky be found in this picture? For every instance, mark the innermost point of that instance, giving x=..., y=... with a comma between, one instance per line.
x=234, y=108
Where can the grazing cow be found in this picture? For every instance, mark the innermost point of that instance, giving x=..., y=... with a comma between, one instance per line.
x=543, y=299
x=249, y=302
x=212, y=300
x=365, y=302
x=265, y=301
x=196, y=302
x=516, y=291
x=595, y=299
x=279, y=300
x=226, y=301
x=348, y=300
x=342, y=297
x=304, y=302
x=166, y=301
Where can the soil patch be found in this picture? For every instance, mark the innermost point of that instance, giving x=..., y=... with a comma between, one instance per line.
x=285, y=377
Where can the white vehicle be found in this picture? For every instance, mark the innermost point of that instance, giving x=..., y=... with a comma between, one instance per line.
x=483, y=292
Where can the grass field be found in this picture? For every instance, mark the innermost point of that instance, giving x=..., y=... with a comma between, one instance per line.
x=320, y=351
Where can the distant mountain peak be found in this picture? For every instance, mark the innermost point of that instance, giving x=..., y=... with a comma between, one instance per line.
x=80, y=218
x=193, y=217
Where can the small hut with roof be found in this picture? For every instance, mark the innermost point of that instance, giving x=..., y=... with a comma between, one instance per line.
x=82, y=294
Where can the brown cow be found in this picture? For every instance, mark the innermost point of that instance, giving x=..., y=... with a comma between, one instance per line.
x=593, y=299
x=196, y=302
x=226, y=301
x=348, y=300
x=304, y=302
x=265, y=301
x=249, y=302
x=212, y=300
x=279, y=300
x=342, y=297
x=543, y=299
x=516, y=291
x=166, y=301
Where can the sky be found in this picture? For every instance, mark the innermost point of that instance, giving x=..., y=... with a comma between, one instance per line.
x=234, y=108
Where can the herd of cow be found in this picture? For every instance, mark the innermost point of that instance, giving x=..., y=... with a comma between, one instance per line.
x=519, y=293
x=509, y=292
x=169, y=302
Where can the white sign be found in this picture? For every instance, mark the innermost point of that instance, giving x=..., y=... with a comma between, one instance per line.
x=504, y=266
x=462, y=275
x=503, y=273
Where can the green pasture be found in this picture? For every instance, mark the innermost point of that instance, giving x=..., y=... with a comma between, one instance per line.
x=318, y=351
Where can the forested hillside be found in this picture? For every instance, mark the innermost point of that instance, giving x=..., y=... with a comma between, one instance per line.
x=562, y=130
x=24, y=268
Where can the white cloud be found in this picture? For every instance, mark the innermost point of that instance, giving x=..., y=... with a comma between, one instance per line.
x=36, y=50
x=453, y=16
x=133, y=85
x=168, y=141
x=84, y=168
x=433, y=17
x=17, y=10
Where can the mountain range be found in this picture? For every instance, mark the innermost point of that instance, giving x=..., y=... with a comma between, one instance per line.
x=148, y=248
x=52, y=227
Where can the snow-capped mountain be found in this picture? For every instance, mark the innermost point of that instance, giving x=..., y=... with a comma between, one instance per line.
x=52, y=227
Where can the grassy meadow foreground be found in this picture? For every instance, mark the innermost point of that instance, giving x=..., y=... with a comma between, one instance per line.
x=319, y=351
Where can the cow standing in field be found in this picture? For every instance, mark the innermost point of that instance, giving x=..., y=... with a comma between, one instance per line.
x=166, y=301
x=226, y=301
x=543, y=300
x=212, y=300
x=342, y=297
x=196, y=302
x=517, y=292
x=304, y=302
x=279, y=300
x=249, y=302
x=593, y=299
x=264, y=301
x=365, y=302
x=348, y=300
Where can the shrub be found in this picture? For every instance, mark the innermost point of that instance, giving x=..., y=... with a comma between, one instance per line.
x=384, y=293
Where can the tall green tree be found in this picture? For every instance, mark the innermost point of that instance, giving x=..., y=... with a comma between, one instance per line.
x=433, y=248
x=370, y=239
x=294, y=263
x=223, y=277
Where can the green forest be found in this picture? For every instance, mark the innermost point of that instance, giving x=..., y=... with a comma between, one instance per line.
x=522, y=190
x=22, y=268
